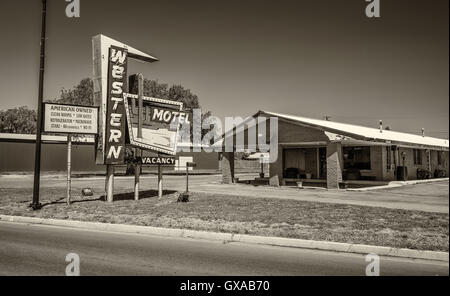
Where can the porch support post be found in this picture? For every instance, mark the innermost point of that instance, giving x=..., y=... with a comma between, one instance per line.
x=276, y=169
x=227, y=167
x=334, y=165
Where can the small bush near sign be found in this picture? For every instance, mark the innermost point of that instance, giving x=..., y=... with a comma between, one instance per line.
x=183, y=197
x=87, y=192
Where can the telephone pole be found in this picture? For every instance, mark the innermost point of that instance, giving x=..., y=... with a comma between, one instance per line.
x=37, y=157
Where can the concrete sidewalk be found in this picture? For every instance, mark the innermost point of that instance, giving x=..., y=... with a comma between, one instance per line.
x=428, y=197
x=395, y=184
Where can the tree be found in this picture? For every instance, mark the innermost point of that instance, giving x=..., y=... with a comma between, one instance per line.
x=154, y=89
x=180, y=94
x=18, y=120
x=23, y=120
x=81, y=94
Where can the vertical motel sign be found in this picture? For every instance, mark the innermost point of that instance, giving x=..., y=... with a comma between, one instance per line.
x=110, y=58
x=115, y=108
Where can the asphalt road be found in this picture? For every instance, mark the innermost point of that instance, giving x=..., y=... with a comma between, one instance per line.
x=41, y=250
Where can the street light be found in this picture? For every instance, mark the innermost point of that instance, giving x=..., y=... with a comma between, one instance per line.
x=403, y=157
x=404, y=173
x=261, y=159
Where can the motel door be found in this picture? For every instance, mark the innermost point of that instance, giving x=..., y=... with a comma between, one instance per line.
x=293, y=158
x=305, y=160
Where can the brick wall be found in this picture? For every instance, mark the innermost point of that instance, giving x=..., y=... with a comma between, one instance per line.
x=292, y=133
x=412, y=168
x=334, y=165
x=444, y=161
x=276, y=168
x=227, y=167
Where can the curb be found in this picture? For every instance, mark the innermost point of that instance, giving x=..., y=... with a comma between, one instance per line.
x=395, y=184
x=413, y=182
x=241, y=238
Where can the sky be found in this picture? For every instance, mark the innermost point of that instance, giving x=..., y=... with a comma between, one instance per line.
x=305, y=57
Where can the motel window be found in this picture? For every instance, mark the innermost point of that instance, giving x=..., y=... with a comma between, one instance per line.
x=417, y=156
x=439, y=157
x=357, y=157
x=388, y=158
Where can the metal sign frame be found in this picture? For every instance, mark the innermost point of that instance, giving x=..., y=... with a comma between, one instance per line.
x=101, y=45
x=144, y=145
x=70, y=105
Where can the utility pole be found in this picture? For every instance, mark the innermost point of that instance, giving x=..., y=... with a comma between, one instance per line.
x=36, y=205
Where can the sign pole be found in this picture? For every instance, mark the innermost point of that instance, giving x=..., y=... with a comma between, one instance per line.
x=184, y=197
x=69, y=167
x=137, y=170
x=160, y=182
x=36, y=205
x=187, y=179
x=110, y=183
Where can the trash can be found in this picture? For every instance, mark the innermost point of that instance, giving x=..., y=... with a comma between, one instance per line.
x=402, y=173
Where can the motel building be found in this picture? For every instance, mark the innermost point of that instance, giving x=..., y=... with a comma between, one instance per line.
x=339, y=155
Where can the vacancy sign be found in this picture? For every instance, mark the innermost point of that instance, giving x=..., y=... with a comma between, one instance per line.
x=69, y=119
x=157, y=160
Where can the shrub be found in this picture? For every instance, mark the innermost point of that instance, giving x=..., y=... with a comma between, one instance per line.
x=423, y=174
x=440, y=173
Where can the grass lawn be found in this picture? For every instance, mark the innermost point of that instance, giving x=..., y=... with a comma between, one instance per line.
x=267, y=217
